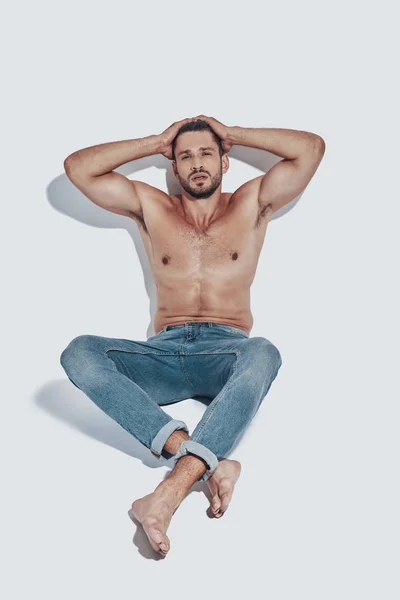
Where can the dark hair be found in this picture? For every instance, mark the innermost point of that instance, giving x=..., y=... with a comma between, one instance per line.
x=198, y=125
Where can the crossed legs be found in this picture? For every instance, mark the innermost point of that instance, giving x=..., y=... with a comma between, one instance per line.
x=129, y=385
x=155, y=510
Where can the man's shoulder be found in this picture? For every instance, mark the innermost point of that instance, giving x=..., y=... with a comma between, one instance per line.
x=247, y=194
x=146, y=191
x=150, y=197
x=249, y=190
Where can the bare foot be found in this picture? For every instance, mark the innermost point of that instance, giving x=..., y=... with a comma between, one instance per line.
x=222, y=483
x=154, y=512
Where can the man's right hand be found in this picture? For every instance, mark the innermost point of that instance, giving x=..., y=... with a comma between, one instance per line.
x=168, y=136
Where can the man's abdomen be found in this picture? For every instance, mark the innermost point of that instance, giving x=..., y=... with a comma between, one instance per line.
x=224, y=302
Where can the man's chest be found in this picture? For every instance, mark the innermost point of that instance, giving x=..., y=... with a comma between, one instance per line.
x=229, y=246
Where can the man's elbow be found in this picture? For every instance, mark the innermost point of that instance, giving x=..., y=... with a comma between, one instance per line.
x=320, y=144
x=68, y=163
x=73, y=165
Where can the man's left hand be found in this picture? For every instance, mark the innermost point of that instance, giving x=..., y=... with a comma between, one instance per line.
x=222, y=131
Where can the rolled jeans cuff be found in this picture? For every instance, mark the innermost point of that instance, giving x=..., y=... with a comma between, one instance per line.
x=161, y=437
x=191, y=447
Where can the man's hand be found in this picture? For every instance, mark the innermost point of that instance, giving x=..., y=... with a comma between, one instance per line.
x=222, y=131
x=168, y=136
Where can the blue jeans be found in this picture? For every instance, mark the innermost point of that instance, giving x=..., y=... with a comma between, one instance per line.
x=131, y=380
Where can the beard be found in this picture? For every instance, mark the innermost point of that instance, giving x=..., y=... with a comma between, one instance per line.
x=201, y=191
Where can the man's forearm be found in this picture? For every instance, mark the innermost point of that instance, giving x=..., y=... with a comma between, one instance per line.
x=288, y=143
x=104, y=158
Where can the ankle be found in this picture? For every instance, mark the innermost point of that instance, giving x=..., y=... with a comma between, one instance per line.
x=186, y=472
x=171, y=491
x=175, y=440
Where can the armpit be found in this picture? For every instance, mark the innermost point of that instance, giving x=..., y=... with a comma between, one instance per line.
x=139, y=220
x=264, y=213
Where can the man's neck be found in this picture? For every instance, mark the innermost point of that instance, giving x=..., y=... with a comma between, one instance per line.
x=201, y=212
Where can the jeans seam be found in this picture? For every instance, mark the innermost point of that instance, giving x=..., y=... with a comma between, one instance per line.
x=240, y=332
x=134, y=382
x=205, y=352
x=183, y=354
x=155, y=335
x=138, y=352
x=181, y=360
x=170, y=353
x=235, y=331
x=224, y=389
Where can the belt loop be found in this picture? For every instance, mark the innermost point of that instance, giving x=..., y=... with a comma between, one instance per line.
x=210, y=324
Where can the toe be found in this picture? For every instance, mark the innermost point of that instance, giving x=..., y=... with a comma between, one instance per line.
x=155, y=538
x=164, y=549
x=215, y=504
x=158, y=540
x=225, y=499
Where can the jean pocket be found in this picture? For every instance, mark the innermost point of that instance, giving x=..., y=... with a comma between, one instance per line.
x=155, y=335
x=232, y=330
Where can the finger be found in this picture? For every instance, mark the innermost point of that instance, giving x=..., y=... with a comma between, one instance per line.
x=180, y=123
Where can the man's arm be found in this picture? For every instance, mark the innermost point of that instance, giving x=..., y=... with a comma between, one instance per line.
x=91, y=171
x=302, y=153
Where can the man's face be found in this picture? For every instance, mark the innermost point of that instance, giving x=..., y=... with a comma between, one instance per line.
x=196, y=153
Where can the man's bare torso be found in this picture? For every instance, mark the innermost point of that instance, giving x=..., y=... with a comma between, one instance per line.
x=203, y=275
x=203, y=256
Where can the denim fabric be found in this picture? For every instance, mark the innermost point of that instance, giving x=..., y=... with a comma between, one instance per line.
x=131, y=380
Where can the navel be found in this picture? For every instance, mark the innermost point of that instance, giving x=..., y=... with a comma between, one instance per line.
x=234, y=256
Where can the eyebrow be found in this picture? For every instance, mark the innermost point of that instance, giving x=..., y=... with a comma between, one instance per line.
x=202, y=148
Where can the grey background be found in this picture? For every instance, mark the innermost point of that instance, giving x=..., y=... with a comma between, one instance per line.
x=314, y=514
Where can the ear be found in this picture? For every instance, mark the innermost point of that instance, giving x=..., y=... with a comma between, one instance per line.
x=225, y=163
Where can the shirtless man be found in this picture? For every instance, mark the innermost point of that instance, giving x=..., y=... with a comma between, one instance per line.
x=203, y=246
